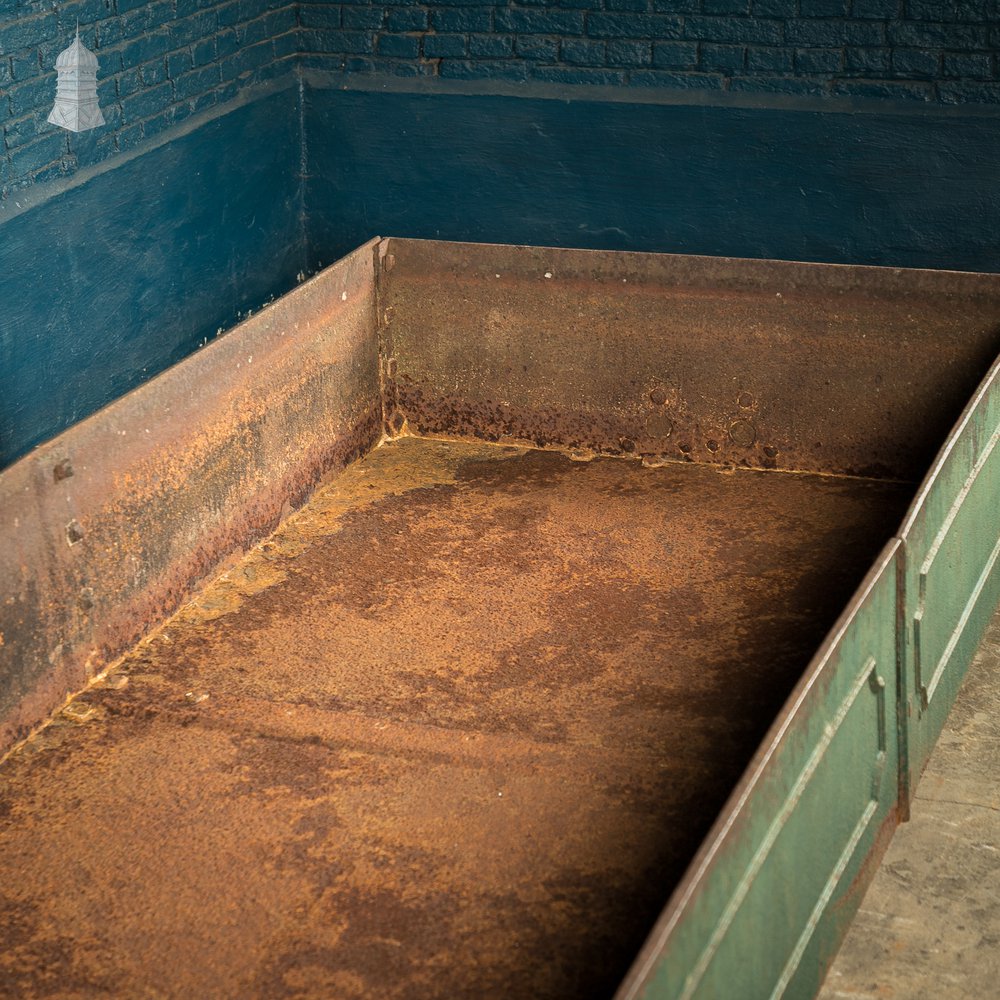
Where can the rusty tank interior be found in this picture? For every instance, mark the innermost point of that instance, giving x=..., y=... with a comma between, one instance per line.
x=457, y=725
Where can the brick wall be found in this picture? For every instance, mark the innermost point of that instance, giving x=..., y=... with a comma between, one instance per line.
x=924, y=50
x=164, y=60
x=159, y=62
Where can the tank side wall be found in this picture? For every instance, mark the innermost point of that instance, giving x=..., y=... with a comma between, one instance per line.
x=106, y=530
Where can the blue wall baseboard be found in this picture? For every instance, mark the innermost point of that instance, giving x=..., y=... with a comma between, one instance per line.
x=111, y=280
x=879, y=187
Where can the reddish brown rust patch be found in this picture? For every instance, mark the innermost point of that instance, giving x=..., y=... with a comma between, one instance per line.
x=454, y=731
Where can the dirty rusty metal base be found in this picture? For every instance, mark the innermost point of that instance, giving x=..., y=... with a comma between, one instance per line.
x=456, y=730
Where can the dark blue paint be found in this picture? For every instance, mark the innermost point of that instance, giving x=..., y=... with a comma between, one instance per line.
x=902, y=189
x=110, y=282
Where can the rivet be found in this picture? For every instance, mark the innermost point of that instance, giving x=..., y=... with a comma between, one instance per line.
x=74, y=533
x=770, y=450
x=62, y=471
x=658, y=396
x=627, y=445
x=745, y=400
x=742, y=433
x=712, y=445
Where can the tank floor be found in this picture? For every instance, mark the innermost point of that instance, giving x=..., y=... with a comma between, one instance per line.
x=454, y=731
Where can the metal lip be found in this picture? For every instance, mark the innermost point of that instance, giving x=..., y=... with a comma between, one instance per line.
x=701, y=863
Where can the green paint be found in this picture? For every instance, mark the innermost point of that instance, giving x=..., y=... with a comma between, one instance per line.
x=772, y=891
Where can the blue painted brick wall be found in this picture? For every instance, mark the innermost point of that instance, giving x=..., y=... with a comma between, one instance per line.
x=942, y=51
x=159, y=63
x=164, y=60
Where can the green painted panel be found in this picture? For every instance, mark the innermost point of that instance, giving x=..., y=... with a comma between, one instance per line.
x=775, y=885
x=951, y=546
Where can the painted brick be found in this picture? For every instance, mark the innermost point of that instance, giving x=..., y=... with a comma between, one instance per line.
x=540, y=48
x=22, y=66
x=153, y=72
x=459, y=19
x=583, y=52
x=726, y=7
x=626, y=4
x=727, y=59
x=147, y=102
x=365, y=18
x=675, y=55
x=745, y=30
x=483, y=69
x=824, y=8
x=19, y=131
x=676, y=6
x=654, y=26
x=196, y=82
x=629, y=53
x=407, y=19
x=163, y=60
x=955, y=92
x=775, y=8
x=544, y=22
x=313, y=15
x=770, y=60
x=399, y=46
x=809, y=62
x=490, y=46
x=42, y=152
x=32, y=95
x=203, y=52
x=880, y=10
x=868, y=62
x=178, y=63
x=23, y=33
x=922, y=63
x=967, y=65
x=449, y=46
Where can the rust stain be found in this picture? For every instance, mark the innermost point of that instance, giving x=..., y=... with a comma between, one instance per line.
x=455, y=730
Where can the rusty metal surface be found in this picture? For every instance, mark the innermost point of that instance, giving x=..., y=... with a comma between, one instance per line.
x=454, y=731
x=106, y=530
x=767, y=364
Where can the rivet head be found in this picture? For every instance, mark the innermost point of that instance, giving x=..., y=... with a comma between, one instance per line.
x=745, y=400
x=74, y=533
x=712, y=445
x=770, y=450
x=742, y=433
x=658, y=396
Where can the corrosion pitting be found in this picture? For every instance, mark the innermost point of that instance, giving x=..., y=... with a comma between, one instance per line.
x=468, y=695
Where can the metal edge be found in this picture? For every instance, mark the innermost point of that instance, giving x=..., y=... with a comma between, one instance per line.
x=932, y=280
x=945, y=451
x=729, y=815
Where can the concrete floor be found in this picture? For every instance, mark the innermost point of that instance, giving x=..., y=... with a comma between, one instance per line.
x=929, y=925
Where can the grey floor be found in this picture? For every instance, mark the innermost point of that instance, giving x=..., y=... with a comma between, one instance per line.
x=929, y=925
